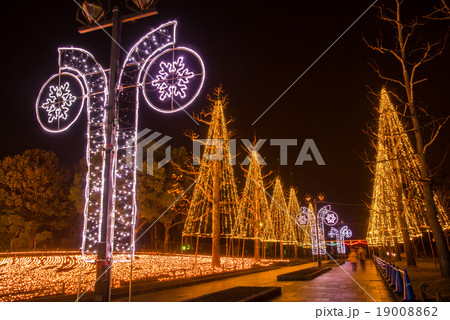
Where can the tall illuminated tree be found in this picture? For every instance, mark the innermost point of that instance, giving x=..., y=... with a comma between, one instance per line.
x=411, y=50
x=214, y=202
x=398, y=204
x=294, y=209
x=282, y=223
x=253, y=220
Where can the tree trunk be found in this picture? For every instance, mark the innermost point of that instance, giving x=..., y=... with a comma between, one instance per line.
x=166, y=238
x=257, y=229
x=440, y=241
x=404, y=231
x=397, y=250
x=257, y=250
x=257, y=247
x=281, y=250
x=215, y=259
x=155, y=237
x=409, y=251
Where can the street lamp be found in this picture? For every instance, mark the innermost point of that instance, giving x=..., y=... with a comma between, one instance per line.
x=97, y=14
x=92, y=10
x=144, y=4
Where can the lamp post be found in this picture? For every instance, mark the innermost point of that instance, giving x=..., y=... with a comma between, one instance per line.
x=341, y=254
x=95, y=13
x=319, y=198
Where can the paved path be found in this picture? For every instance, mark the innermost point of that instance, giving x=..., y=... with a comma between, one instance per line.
x=335, y=285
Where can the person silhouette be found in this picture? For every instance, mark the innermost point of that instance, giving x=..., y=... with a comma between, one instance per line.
x=362, y=257
x=353, y=258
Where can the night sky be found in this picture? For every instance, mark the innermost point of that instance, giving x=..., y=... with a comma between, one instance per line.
x=255, y=49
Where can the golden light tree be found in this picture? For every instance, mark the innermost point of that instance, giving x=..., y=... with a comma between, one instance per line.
x=411, y=47
x=397, y=212
x=294, y=209
x=253, y=220
x=284, y=230
x=214, y=202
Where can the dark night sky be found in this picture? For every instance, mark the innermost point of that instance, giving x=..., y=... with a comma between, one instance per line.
x=256, y=49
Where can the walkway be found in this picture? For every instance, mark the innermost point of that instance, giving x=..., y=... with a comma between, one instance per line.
x=335, y=285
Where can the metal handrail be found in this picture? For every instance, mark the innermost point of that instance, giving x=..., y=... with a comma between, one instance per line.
x=397, y=278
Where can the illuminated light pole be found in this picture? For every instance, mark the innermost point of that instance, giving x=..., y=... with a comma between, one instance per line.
x=93, y=12
x=112, y=113
x=318, y=199
x=317, y=220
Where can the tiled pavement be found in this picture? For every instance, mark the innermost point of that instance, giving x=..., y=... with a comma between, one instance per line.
x=335, y=285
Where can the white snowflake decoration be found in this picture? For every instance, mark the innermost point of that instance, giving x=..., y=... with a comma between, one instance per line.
x=58, y=103
x=302, y=219
x=172, y=79
x=331, y=218
x=333, y=232
x=347, y=233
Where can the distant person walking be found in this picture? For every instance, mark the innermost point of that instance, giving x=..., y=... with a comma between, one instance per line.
x=353, y=258
x=362, y=257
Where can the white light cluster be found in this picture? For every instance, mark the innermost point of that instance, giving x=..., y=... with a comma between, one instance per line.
x=82, y=63
x=345, y=232
x=89, y=74
x=58, y=103
x=57, y=100
x=317, y=236
x=312, y=226
x=124, y=196
x=172, y=79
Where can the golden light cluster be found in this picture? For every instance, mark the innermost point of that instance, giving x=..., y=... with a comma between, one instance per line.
x=398, y=203
x=198, y=220
x=24, y=277
x=249, y=216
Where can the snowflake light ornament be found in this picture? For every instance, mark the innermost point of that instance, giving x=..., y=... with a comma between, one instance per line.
x=58, y=103
x=333, y=232
x=347, y=233
x=302, y=219
x=172, y=79
x=331, y=218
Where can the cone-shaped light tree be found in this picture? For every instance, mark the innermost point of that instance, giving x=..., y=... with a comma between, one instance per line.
x=411, y=55
x=294, y=209
x=398, y=203
x=253, y=220
x=214, y=202
x=279, y=215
